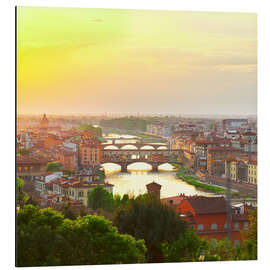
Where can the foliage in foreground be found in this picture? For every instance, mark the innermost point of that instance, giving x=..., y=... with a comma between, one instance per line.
x=100, y=198
x=145, y=217
x=45, y=238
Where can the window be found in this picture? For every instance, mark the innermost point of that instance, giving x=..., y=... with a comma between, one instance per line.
x=246, y=225
x=213, y=226
x=236, y=225
x=200, y=227
x=81, y=193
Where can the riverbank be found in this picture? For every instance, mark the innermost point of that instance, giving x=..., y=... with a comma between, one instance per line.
x=182, y=174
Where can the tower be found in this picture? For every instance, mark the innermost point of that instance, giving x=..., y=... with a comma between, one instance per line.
x=44, y=123
x=154, y=188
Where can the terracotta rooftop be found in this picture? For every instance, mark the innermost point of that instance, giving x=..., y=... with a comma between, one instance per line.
x=175, y=200
x=207, y=205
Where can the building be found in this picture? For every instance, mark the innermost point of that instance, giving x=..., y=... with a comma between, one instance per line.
x=30, y=165
x=233, y=124
x=216, y=157
x=67, y=159
x=41, y=180
x=79, y=190
x=90, y=149
x=252, y=172
x=207, y=215
x=154, y=188
x=239, y=170
x=44, y=123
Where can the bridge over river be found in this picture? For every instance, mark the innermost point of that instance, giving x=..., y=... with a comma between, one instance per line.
x=137, y=145
x=154, y=157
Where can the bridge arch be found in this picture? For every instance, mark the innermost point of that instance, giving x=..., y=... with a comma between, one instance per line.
x=111, y=147
x=147, y=147
x=166, y=167
x=139, y=166
x=129, y=147
x=162, y=147
x=111, y=167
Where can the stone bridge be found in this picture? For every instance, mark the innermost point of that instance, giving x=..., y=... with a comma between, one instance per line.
x=154, y=157
x=138, y=145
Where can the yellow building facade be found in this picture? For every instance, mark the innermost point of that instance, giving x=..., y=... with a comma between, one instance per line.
x=252, y=172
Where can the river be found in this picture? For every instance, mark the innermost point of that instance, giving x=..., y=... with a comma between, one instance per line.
x=139, y=175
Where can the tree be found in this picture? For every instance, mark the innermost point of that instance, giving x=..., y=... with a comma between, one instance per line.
x=68, y=172
x=88, y=127
x=21, y=197
x=36, y=236
x=53, y=167
x=45, y=238
x=187, y=248
x=67, y=211
x=93, y=240
x=145, y=217
x=248, y=248
x=101, y=174
x=101, y=198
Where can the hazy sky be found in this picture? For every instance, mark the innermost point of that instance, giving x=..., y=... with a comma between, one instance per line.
x=104, y=60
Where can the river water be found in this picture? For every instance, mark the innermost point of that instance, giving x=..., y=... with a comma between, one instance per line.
x=139, y=175
x=135, y=180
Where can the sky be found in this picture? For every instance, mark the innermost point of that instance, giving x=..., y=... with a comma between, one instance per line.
x=91, y=61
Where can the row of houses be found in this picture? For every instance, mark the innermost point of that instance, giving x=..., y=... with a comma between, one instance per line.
x=75, y=188
x=208, y=154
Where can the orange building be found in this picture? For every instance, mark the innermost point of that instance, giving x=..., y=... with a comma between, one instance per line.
x=207, y=215
x=90, y=149
x=67, y=159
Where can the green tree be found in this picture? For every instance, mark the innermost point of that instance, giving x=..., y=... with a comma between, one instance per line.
x=36, y=236
x=101, y=174
x=88, y=127
x=45, y=238
x=145, y=217
x=93, y=240
x=248, y=248
x=53, y=167
x=99, y=197
x=68, y=172
x=67, y=211
x=32, y=200
x=187, y=248
x=21, y=197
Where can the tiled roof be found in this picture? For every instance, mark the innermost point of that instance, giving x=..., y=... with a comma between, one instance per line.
x=207, y=205
x=175, y=200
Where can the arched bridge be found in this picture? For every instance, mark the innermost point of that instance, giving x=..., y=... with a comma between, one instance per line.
x=138, y=145
x=153, y=157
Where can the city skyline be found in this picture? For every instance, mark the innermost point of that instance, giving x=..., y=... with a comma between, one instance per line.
x=119, y=61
